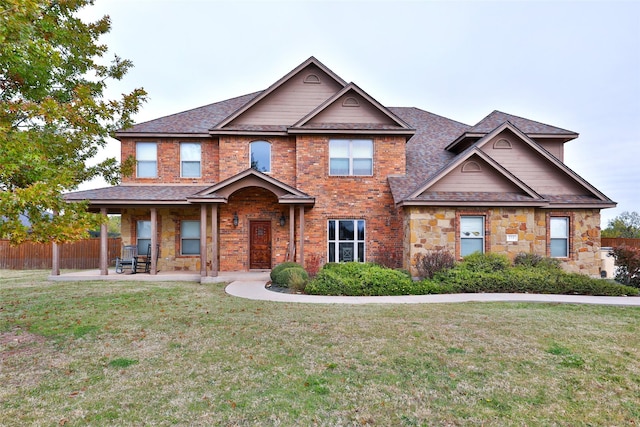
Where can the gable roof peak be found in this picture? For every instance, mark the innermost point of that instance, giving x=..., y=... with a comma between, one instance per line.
x=528, y=126
x=311, y=61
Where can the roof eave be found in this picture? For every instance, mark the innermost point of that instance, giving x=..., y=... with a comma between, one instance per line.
x=409, y=202
x=119, y=135
x=581, y=205
x=301, y=131
x=216, y=132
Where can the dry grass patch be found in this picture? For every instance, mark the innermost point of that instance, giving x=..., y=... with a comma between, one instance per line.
x=128, y=353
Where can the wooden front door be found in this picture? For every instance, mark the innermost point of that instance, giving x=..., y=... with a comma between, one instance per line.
x=260, y=245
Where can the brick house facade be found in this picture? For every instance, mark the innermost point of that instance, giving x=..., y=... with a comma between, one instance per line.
x=313, y=169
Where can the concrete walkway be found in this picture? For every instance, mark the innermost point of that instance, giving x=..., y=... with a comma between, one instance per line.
x=254, y=288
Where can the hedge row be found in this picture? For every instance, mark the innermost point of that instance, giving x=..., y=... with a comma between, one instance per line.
x=477, y=273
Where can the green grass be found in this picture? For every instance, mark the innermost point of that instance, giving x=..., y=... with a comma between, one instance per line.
x=127, y=353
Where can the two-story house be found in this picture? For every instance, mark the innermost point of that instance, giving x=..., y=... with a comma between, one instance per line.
x=314, y=169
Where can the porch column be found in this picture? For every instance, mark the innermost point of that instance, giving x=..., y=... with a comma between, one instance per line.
x=55, y=256
x=292, y=233
x=104, y=247
x=203, y=240
x=154, y=242
x=214, y=240
x=301, y=245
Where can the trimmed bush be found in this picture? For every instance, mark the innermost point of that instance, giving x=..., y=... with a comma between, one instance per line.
x=359, y=279
x=485, y=262
x=480, y=274
x=278, y=268
x=283, y=276
x=536, y=261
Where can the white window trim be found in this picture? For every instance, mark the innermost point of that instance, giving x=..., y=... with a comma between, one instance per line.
x=138, y=160
x=182, y=238
x=567, y=222
x=199, y=161
x=351, y=158
x=336, y=242
x=481, y=237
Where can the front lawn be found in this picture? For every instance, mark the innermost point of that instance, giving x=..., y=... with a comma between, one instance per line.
x=127, y=353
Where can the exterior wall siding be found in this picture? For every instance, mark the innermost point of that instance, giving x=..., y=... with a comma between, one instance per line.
x=434, y=228
x=530, y=167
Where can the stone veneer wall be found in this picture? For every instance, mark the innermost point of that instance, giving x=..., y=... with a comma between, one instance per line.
x=434, y=228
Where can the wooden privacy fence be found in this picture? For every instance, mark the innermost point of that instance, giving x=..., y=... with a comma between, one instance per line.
x=614, y=242
x=83, y=254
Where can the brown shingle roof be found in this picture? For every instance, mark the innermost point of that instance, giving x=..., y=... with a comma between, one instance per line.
x=425, y=153
x=530, y=127
x=133, y=193
x=196, y=121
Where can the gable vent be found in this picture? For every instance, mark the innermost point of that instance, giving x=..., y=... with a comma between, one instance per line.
x=350, y=102
x=502, y=144
x=312, y=79
x=471, y=166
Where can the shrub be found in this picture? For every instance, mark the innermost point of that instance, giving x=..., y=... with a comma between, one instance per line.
x=359, y=279
x=328, y=281
x=628, y=263
x=284, y=276
x=482, y=274
x=485, y=262
x=278, y=268
x=298, y=279
x=432, y=262
x=524, y=259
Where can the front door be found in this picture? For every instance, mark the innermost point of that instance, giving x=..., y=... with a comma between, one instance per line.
x=260, y=245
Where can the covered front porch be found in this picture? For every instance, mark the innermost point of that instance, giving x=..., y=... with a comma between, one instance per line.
x=248, y=222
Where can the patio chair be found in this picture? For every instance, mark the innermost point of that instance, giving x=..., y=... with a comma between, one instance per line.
x=143, y=261
x=128, y=259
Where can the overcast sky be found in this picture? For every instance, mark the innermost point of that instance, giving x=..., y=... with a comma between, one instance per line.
x=571, y=64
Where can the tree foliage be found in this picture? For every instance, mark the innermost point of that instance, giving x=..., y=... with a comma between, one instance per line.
x=54, y=116
x=628, y=263
x=626, y=225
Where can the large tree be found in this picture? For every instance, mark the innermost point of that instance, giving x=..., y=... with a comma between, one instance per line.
x=54, y=116
x=627, y=224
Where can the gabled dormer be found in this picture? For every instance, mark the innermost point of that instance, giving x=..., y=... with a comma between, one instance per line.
x=352, y=110
x=552, y=138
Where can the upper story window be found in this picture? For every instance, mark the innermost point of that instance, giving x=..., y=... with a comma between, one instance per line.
x=261, y=156
x=559, y=235
x=190, y=160
x=147, y=159
x=351, y=157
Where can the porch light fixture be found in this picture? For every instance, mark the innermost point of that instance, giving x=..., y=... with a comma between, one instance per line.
x=282, y=220
x=235, y=219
